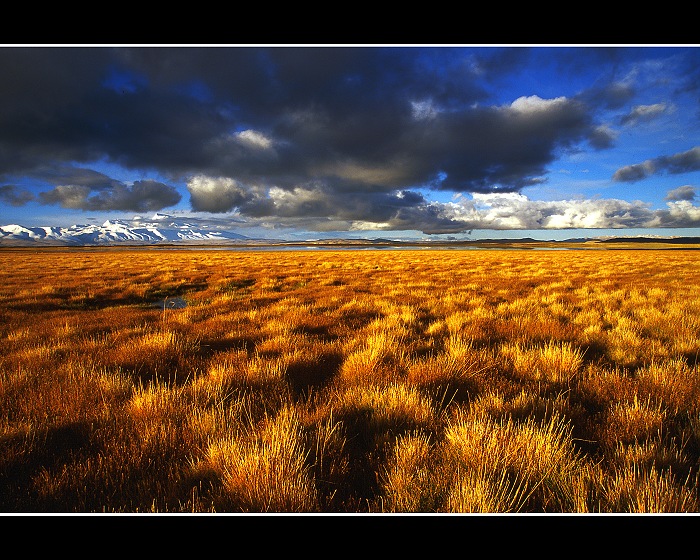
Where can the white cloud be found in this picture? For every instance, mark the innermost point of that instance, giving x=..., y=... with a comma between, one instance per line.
x=535, y=104
x=253, y=139
x=516, y=211
x=369, y=226
x=684, y=210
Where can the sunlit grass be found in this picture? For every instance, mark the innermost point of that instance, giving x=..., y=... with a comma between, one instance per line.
x=264, y=469
x=349, y=381
x=508, y=466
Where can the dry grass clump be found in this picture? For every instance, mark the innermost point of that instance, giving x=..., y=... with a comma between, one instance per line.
x=674, y=383
x=511, y=466
x=552, y=362
x=488, y=465
x=634, y=490
x=264, y=469
x=376, y=358
x=153, y=380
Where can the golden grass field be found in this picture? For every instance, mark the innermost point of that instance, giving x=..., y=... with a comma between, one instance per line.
x=365, y=381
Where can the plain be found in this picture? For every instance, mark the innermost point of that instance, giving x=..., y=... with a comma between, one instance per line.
x=349, y=381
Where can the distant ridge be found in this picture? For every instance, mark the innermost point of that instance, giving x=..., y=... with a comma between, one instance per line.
x=674, y=240
x=162, y=229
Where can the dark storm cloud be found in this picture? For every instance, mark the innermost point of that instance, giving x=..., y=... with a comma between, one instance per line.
x=15, y=196
x=372, y=118
x=142, y=196
x=64, y=174
x=382, y=211
x=62, y=105
x=685, y=192
x=320, y=201
x=43, y=80
x=683, y=162
x=258, y=82
x=488, y=149
x=87, y=189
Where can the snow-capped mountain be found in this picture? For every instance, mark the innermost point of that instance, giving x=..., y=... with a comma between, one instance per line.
x=160, y=229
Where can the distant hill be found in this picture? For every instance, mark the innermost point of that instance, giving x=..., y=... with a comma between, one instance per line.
x=674, y=240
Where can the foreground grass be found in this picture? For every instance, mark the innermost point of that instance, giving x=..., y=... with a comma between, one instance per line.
x=360, y=381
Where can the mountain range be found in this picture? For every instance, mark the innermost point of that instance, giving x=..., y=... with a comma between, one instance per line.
x=163, y=229
x=114, y=232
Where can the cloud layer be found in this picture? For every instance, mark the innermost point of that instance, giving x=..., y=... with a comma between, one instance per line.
x=323, y=137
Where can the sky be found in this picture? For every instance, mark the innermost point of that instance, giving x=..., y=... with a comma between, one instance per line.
x=392, y=141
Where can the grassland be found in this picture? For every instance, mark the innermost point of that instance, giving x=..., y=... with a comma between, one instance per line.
x=367, y=381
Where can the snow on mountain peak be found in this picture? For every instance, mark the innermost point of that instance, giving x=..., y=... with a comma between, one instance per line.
x=114, y=232
x=13, y=228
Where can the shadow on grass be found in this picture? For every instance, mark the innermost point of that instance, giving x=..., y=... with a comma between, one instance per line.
x=307, y=375
x=211, y=346
x=170, y=297
x=24, y=456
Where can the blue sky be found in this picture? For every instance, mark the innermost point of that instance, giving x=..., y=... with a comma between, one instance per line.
x=302, y=141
